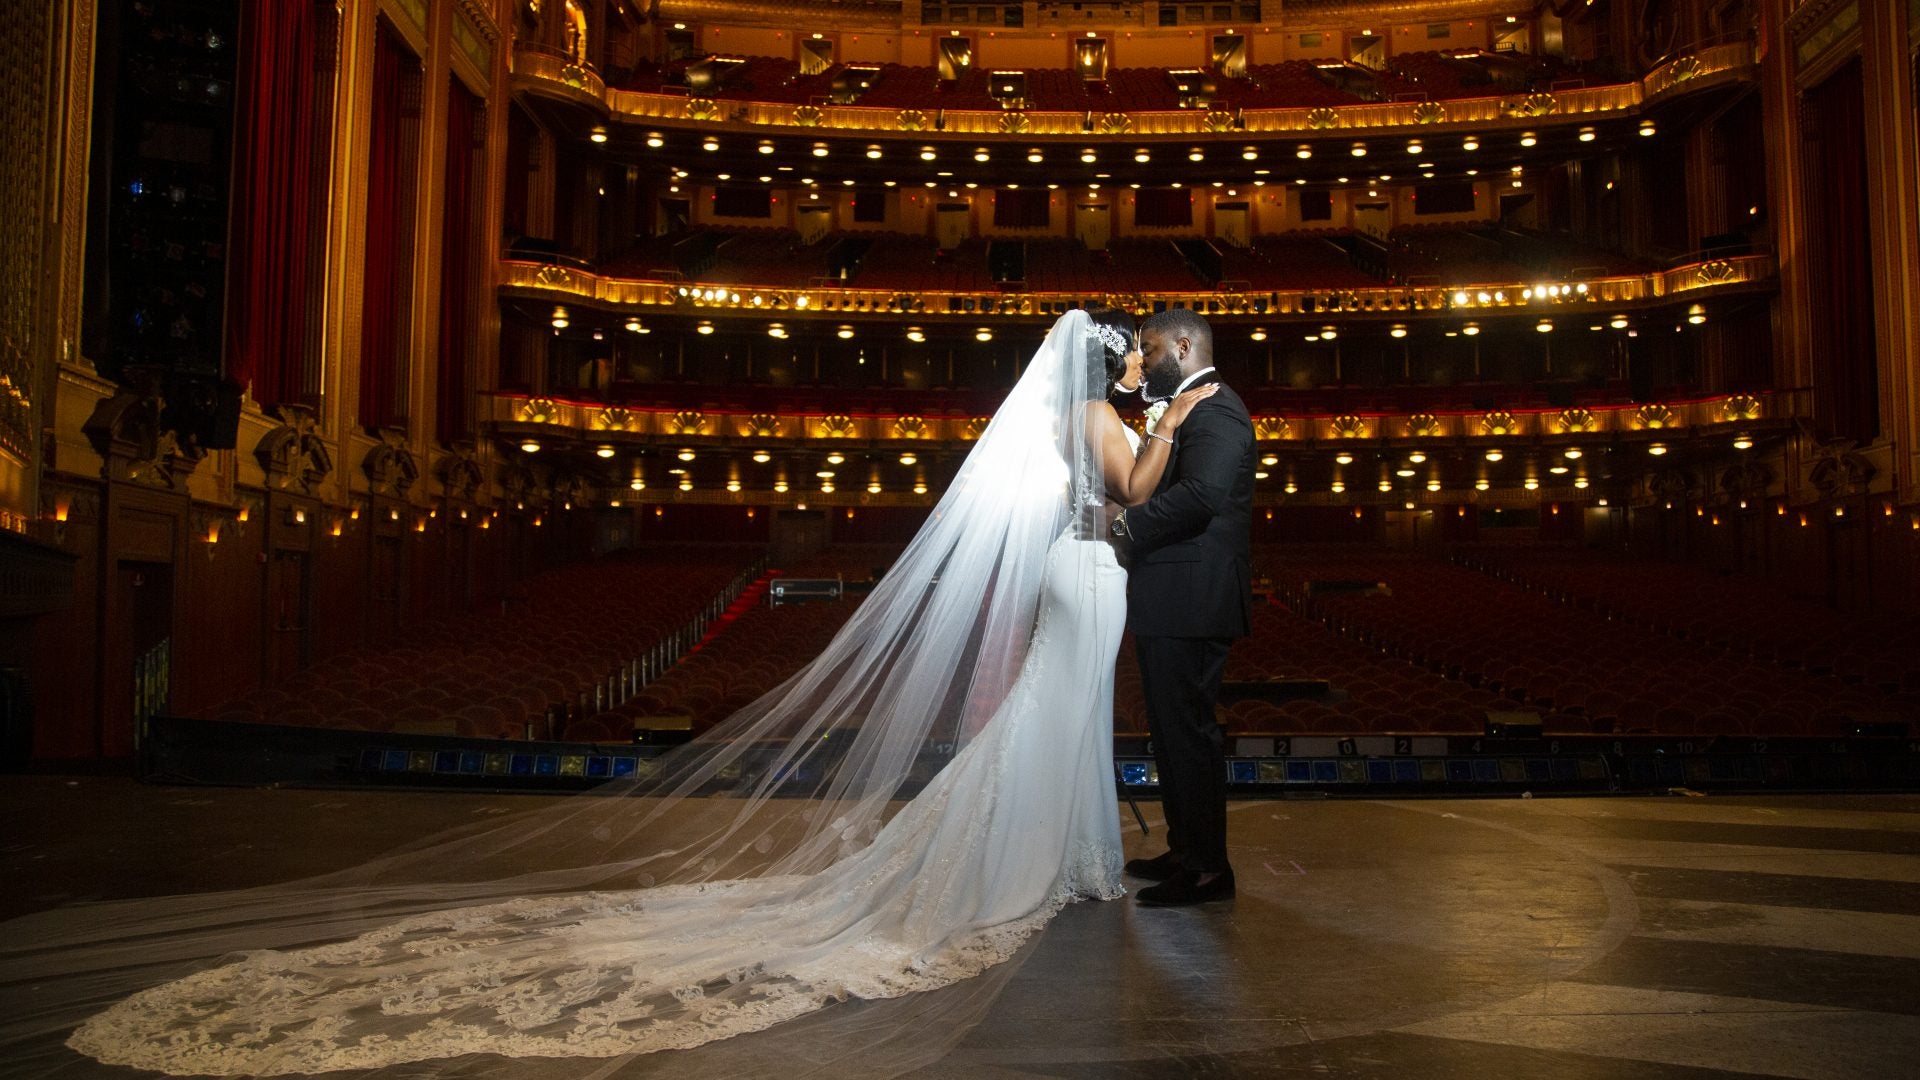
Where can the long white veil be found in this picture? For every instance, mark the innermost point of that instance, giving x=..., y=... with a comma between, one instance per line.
x=795, y=782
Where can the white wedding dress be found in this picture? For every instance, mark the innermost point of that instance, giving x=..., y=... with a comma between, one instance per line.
x=1021, y=821
x=752, y=876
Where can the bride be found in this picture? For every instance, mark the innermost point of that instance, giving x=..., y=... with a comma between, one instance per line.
x=762, y=872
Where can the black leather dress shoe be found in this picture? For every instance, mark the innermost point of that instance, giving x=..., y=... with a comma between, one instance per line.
x=1159, y=868
x=1185, y=888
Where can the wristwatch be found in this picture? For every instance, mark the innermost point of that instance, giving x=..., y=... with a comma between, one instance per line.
x=1119, y=526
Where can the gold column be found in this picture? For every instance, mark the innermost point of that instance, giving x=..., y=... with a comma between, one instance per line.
x=1786, y=188
x=1893, y=206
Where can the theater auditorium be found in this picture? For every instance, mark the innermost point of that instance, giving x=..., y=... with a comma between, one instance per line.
x=426, y=416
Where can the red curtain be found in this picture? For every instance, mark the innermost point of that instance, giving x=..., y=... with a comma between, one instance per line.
x=380, y=400
x=1022, y=208
x=1160, y=208
x=456, y=263
x=1846, y=388
x=273, y=166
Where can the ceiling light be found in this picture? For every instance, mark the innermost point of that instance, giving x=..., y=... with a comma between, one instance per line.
x=654, y=140
x=1646, y=127
x=1303, y=152
x=1142, y=156
x=983, y=334
x=908, y=459
x=1035, y=157
x=1531, y=484
x=559, y=318
x=1471, y=329
x=1343, y=458
x=819, y=149
x=1417, y=457
x=980, y=153
x=703, y=327
x=1696, y=314
x=1657, y=449
x=1528, y=138
x=710, y=144
x=873, y=151
x=1471, y=142
x=1415, y=147
x=1258, y=334
x=1743, y=442
x=686, y=454
x=1196, y=154
x=836, y=458
x=915, y=334
x=1545, y=326
x=531, y=446
x=1494, y=455
x=604, y=451
x=1251, y=153
x=1481, y=485
x=1587, y=134
x=1087, y=156
x=844, y=332
x=761, y=457
x=1618, y=322
x=775, y=330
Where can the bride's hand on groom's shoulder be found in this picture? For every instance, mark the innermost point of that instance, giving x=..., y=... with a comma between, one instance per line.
x=1182, y=405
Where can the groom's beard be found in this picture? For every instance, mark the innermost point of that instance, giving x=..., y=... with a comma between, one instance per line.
x=1161, y=380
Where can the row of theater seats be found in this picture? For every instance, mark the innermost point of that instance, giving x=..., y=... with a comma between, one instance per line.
x=1290, y=84
x=1610, y=674
x=1765, y=624
x=755, y=652
x=492, y=674
x=1293, y=261
x=1304, y=259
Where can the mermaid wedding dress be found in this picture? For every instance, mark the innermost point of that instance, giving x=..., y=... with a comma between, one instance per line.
x=1018, y=824
x=872, y=898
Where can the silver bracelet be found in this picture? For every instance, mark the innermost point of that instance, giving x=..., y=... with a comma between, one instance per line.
x=1162, y=438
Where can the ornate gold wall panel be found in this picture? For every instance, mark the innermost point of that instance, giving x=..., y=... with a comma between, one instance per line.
x=25, y=108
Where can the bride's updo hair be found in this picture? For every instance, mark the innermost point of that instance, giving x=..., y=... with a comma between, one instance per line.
x=1114, y=329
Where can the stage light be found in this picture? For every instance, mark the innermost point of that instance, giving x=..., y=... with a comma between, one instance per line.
x=844, y=332
x=1035, y=156
x=1303, y=152
x=1337, y=487
x=1587, y=134
x=605, y=452
x=761, y=457
x=1531, y=484
x=1359, y=149
x=654, y=140
x=916, y=335
x=531, y=446
x=597, y=134
x=1470, y=143
x=983, y=334
x=1618, y=322
x=1657, y=449
x=1087, y=156
x=1196, y=154
x=1398, y=331
x=1646, y=127
x=1415, y=147
x=1481, y=485
x=1545, y=326
x=1472, y=329
x=1743, y=442
x=1573, y=453
x=686, y=454
x=1697, y=314
x=1258, y=334
x=1528, y=138
x=908, y=459
x=710, y=144
x=1343, y=458
x=704, y=327
x=560, y=318
x=1417, y=457
x=1494, y=455
x=1251, y=153
x=819, y=149
x=775, y=330
x=836, y=458
x=1142, y=156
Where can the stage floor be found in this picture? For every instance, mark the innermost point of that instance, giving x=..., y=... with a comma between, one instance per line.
x=1616, y=938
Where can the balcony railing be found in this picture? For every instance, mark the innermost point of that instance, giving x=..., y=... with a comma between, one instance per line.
x=562, y=284
x=1704, y=66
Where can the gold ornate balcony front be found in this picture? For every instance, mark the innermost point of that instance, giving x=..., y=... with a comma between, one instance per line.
x=1692, y=71
x=1705, y=277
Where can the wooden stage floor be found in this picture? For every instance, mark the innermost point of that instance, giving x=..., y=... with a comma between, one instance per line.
x=1625, y=938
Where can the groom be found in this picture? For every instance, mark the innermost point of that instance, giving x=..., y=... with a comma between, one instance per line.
x=1188, y=597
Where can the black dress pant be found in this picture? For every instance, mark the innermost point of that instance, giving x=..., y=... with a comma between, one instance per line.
x=1181, y=680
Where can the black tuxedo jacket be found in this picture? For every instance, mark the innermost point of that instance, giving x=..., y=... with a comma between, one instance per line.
x=1192, y=573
